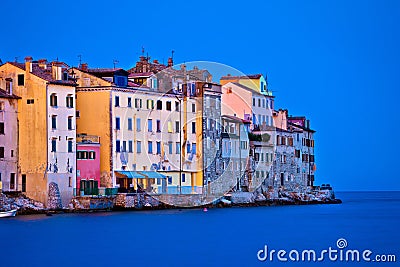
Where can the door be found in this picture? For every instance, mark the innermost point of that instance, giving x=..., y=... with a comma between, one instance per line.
x=23, y=182
x=282, y=179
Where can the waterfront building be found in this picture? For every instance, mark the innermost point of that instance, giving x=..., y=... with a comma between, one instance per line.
x=8, y=137
x=235, y=150
x=294, y=165
x=46, y=119
x=246, y=103
x=87, y=164
x=256, y=82
x=249, y=104
x=303, y=137
x=151, y=138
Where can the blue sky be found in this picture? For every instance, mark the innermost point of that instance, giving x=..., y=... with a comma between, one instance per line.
x=337, y=62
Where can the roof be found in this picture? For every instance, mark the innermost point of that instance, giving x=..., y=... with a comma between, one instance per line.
x=141, y=74
x=250, y=76
x=249, y=89
x=4, y=94
x=104, y=72
x=45, y=74
x=301, y=127
x=234, y=118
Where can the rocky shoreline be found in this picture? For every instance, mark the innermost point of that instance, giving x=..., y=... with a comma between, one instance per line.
x=27, y=206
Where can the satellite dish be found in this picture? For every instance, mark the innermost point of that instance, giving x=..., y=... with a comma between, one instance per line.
x=124, y=158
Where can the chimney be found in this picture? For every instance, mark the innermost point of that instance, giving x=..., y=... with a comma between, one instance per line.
x=142, y=58
x=170, y=62
x=42, y=63
x=56, y=70
x=155, y=61
x=28, y=64
x=183, y=67
x=84, y=66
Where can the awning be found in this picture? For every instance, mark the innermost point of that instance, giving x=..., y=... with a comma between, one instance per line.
x=130, y=174
x=153, y=175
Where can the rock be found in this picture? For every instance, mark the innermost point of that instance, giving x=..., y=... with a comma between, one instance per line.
x=242, y=197
x=54, y=197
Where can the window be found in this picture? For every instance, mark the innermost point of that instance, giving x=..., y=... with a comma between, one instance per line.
x=188, y=148
x=193, y=127
x=54, y=122
x=21, y=79
x=193, y=107
x=116, y=101
x=1, y=152
x=130, y=146
x=69, y=101
x=158, y=126
x=169, y=107
x=92, y=155
x=70, y=123
x=23, y=183
x=1, y=127
x=69, y=181
x=158, y=146
x=170, y=127
x=30, y=101
x=12, y=153
x=297, y=153
x=177, y=128
x=70, y=143
x=183, y=177
x=178, y=148
x=1, y=105
x=117, y=146
x=138, y=103
x=138, y=125
x=159, y=105
x=150, y=104
x=54, y=145
x=78, y=114
x=169, y=179
x=117, y=123
x=176, y=106
x=53, y=100
x=150, y=147
x=123, y=146
x=8, y=85
x=129, y=124
x=259, y=102
x=150, y=125
x=263, y=103
x=129, y=102
x=169, y=147
x=194, y=148
x=12, y=180
x=254, y=102
x=138, y=147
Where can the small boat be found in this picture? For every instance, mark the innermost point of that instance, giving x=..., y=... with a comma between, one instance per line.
x=10, y=213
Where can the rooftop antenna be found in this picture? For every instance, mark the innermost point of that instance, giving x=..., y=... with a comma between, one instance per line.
x=80, y=60
x=115, y=62
x=172, y=54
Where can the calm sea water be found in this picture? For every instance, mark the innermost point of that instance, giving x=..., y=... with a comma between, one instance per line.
x=219, y=237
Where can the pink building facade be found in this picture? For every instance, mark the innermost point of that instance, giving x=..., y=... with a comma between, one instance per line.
x=88, y=165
